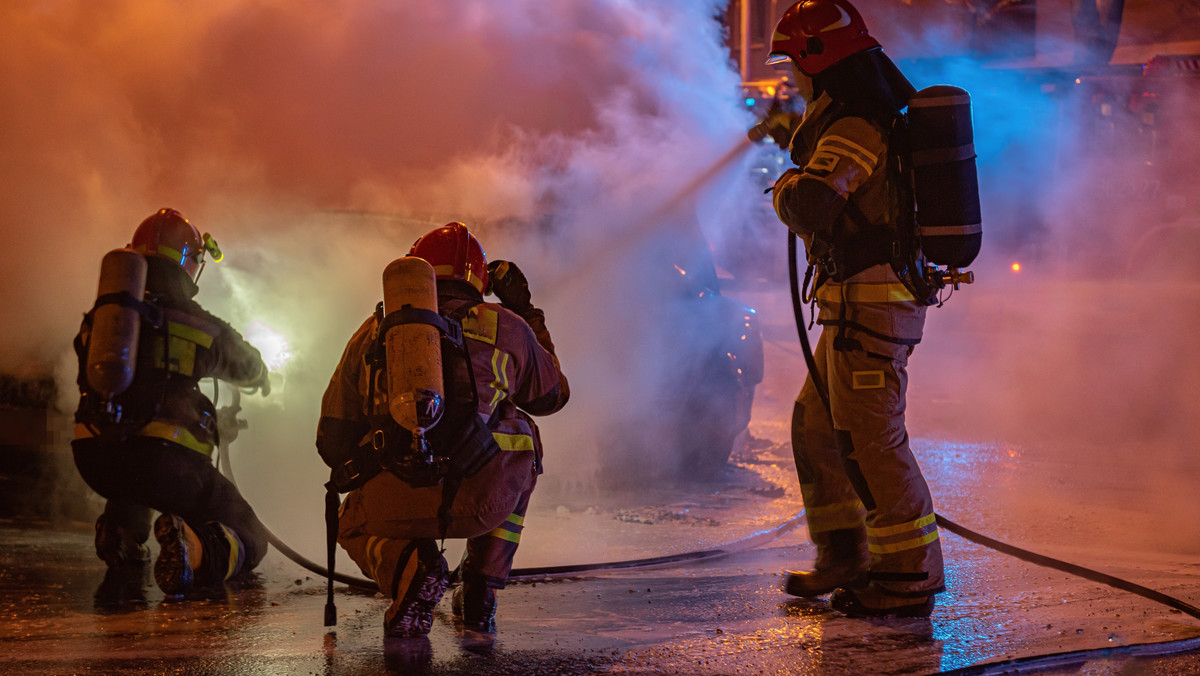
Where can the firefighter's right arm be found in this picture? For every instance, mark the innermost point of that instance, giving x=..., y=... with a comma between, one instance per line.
x=233, y=358
x=543, y=389
x=809, y=200
x=538, y=396
x=343, y=423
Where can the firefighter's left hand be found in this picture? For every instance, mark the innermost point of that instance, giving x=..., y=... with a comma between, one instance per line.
x=508, y=283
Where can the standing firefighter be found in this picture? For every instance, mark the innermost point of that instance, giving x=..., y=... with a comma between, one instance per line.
x=144, y=432
x=448, y=426
x=869, y=510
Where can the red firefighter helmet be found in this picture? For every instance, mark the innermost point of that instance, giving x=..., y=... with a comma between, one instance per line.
x=454, y=253
x=167, y=234
x=815, y=34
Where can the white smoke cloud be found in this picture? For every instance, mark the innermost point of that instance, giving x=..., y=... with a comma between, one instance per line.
x=316, y=141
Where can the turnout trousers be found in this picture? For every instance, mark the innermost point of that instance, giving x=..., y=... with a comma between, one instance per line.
x=147, y=473
x=855, y=467
x=380, y=521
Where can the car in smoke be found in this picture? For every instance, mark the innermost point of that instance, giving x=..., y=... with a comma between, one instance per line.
x=663, y=367
x=709, y=353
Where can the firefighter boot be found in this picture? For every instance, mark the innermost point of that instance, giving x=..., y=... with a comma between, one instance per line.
x=117, y=547
x=179, y=556
x=872, y=601
x=842, y=561
x=475, y=602
x=411, y=612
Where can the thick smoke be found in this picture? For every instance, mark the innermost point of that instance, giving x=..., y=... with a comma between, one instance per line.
x=1088, y=184
x=316, y=141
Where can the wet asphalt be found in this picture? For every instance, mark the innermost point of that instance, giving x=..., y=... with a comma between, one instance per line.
x=721, y=616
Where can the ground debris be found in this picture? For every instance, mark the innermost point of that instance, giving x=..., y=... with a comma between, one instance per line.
x=661, y=516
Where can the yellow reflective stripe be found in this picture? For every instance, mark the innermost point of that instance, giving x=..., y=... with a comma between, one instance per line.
x=182, y=349
x=511, y=529
x=901, y=527
x=866, y=380
x=177, y=434
x=190, y=334
x=506, y=535
x=183, y=356
x=407, y=577
x=161, y=250
x=500, y=383
x=838, y=516
x=852, y=145
x=888, y=292
x=374, y=555
x=448, y=271
x=233, y=551
x=374, y=550
x=481, y=324
x=867, y=160
x=513, y=442
x=902, y=545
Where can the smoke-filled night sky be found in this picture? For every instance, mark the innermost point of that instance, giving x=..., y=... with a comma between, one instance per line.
x=317, y=140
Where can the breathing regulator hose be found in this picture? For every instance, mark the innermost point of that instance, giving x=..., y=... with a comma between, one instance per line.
x=962, y=531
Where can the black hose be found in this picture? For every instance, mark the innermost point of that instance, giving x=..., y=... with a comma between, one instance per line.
x=798, y=314
x=1079, y=571
x=1035, y=663
x=1040, y=664
x=750, y=542
x=516, y=574
x=570, y=570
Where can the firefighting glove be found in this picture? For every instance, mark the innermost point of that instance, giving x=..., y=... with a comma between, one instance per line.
x=264, y=382
x=508, y=283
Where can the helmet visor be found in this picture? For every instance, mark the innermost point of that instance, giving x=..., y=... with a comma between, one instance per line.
x=777, y=57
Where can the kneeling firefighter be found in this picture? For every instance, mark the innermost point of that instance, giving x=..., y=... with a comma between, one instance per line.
x=425, y=425
x=144, y=432
x=851, y=199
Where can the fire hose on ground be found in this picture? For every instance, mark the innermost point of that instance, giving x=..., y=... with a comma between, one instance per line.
x=1039, y=662
x=1023, y=665
x=747, y=543
x=761, y=538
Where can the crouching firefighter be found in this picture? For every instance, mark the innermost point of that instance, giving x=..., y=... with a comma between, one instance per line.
x=144, y=431
x=861, y=165
x=426, y=425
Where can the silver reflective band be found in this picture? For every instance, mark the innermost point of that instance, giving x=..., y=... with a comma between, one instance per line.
x=958, y=100
x=924, y=158
x=950, y=230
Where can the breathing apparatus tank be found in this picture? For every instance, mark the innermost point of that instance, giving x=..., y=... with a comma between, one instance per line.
x=113, y=343
x=413, y=349
x=945, y=182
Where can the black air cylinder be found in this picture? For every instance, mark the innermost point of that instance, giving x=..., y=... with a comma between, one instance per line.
x=945, y=182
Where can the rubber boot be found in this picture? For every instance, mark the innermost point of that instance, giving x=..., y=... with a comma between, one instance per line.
x=117, y=547
x=475, y=602
x=179, y=556
x=411, y=612
x=871, y=601
x=842, y=561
